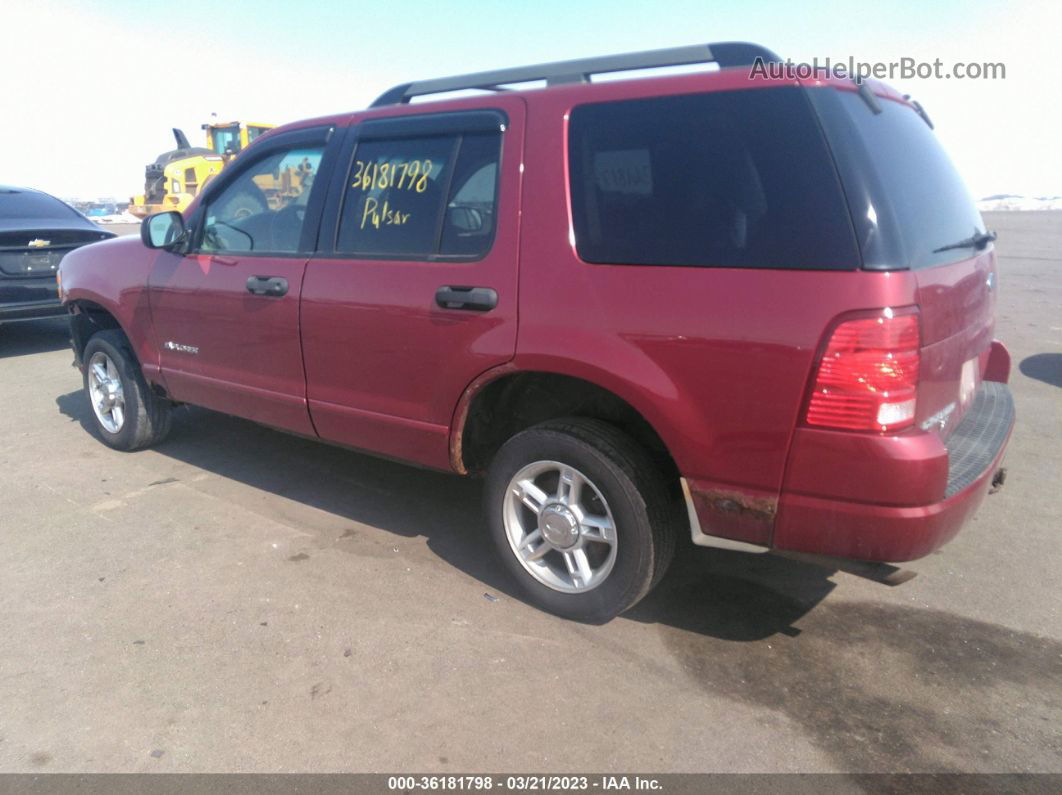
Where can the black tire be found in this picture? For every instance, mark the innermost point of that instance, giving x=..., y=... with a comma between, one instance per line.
x=146, y=418
x=623, y=473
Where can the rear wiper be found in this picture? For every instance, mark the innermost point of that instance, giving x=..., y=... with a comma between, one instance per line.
x=978, y=241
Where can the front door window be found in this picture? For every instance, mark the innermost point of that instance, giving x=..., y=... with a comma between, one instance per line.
x=264, y=209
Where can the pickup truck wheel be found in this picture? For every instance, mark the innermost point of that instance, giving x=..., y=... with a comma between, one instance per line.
x=128, y=415
x=580, y=517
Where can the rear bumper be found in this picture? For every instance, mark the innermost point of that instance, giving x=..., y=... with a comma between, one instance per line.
x=25, y=298
x=966, y=464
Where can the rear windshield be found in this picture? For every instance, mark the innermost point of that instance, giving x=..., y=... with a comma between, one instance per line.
x=727, y=179
x=907, y=199
x=19, y=204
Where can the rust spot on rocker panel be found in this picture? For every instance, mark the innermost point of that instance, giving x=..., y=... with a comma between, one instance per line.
x=735, y=502
x=728, y=513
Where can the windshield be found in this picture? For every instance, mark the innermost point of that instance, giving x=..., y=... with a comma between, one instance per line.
x=226, y=139
x=20, y=204
x=906, y=198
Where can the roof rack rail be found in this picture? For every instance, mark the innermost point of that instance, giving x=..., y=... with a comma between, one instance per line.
x=728, y=53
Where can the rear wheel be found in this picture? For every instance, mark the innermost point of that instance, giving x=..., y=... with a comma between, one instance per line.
x=580, y=517
x=128, y=415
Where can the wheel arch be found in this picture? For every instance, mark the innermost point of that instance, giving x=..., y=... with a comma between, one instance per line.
x=508, y=399
x=87, y=317
x=91, y=312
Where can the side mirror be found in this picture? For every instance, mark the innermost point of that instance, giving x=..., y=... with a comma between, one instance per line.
x=162, y=230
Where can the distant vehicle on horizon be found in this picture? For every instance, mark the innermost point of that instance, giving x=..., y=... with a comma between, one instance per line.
x=99, y=209
x=1017, y=202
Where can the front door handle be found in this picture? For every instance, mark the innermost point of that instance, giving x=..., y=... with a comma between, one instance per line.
x=476, y=299
x=273, y=286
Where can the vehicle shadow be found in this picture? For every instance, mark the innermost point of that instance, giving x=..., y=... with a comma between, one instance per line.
x=734, y=596
x=27, y=337
x=1046, y=367
x=446, y=510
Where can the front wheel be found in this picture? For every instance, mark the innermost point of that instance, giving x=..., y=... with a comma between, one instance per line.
x=580, y=516
x=128, y=414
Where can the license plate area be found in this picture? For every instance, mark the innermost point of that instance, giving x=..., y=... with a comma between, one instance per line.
x=30, y=263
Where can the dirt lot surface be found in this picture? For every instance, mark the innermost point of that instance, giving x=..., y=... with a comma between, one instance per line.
x=242, y=600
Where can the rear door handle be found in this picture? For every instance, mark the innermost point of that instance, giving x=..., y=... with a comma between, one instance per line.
x=475, y=299
x=274, y=286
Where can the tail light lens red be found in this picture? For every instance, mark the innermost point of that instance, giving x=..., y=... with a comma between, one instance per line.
x=868, y=377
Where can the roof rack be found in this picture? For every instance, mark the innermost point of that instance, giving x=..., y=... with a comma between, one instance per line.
x=728, y=53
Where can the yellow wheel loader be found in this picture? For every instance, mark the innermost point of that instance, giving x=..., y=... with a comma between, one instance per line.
x=177, y=176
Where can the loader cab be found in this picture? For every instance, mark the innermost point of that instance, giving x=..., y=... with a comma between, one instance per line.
x=223, y=139
x=230, y=138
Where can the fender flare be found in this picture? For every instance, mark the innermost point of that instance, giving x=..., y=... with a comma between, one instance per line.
x=633, y=395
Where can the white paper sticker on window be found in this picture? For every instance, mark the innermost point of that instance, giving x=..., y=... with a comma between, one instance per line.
x=624, y=171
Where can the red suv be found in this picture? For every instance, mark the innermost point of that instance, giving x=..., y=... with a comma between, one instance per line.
x=716, y=303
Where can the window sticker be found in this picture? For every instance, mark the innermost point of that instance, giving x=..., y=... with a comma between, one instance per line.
x=624, y=171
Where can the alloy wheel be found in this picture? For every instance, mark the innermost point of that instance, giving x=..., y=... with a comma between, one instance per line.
x=560, y=527
x=105, y=392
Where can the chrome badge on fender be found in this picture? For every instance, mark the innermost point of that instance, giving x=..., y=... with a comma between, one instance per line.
x=170, y=345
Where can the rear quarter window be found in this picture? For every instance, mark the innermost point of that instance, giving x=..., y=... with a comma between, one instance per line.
x=727, y=179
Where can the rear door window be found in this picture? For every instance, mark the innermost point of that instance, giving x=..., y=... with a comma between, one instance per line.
x=726, y=179
x=421, y=198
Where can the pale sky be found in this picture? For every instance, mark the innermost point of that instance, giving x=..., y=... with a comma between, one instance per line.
x=90, y=90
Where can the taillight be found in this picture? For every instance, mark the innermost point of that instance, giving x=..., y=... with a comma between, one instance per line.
x=868, y=377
